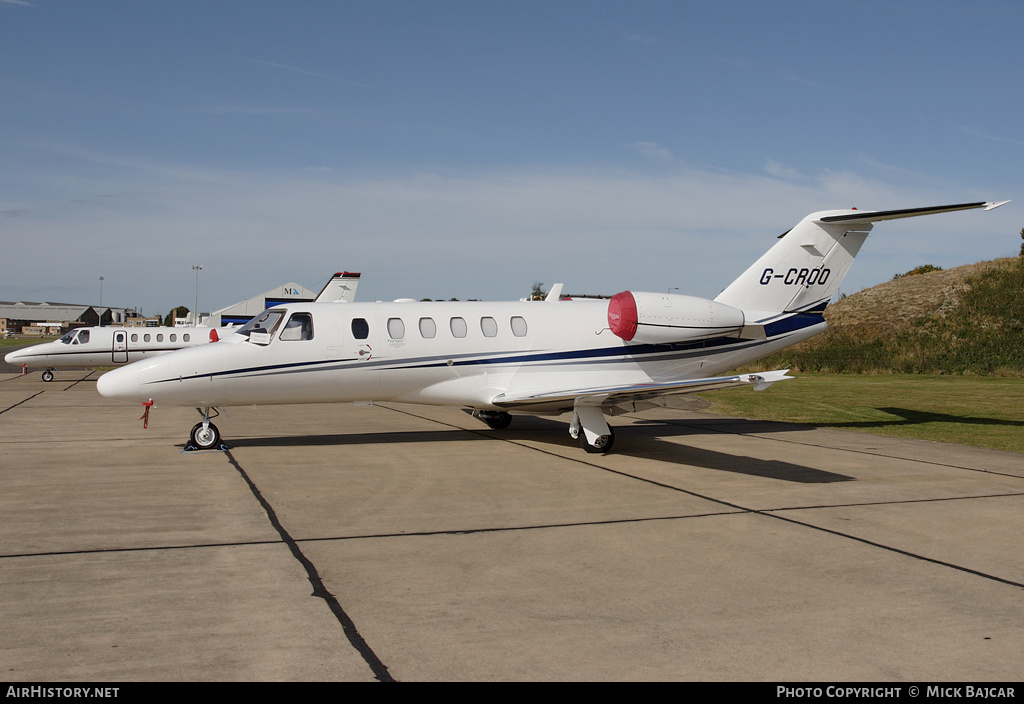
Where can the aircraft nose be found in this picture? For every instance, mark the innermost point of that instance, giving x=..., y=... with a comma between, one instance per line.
x=120, y=384
x=12, y=357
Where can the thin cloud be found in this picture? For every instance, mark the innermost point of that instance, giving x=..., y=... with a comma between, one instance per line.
x=252, y=110
x=984, y=135
x=780, y=170
x=653, y=150
x=286, y=67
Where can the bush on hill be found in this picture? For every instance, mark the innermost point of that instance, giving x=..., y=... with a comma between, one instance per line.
x=974, y=327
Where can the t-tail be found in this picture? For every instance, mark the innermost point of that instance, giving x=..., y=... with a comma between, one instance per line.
x=802, y=272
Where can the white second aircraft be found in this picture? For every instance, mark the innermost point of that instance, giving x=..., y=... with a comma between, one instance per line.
x=113, y=346
x=588, y=357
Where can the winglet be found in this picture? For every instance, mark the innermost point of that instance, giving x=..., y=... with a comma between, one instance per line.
x=993, y=206
x=763, y=380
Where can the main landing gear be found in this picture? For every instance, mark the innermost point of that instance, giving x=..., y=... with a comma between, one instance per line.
x=591, y=429
x=496, y=420
x=205, y=435
x=588, y=426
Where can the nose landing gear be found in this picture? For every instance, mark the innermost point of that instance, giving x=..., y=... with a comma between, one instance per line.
x=205, y=435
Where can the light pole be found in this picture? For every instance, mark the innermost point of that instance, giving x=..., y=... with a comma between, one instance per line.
x=195, y=311
x=100, y=311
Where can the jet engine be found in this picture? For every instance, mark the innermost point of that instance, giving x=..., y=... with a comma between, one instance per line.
x=660, y=318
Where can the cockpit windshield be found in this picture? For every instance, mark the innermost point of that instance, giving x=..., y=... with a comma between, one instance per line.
x=265, y=322
x=70, y=338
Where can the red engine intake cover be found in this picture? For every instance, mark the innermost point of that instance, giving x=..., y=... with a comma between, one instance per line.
x=622, y=316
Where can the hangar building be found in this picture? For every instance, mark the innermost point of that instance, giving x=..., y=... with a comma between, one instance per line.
x=242, y=313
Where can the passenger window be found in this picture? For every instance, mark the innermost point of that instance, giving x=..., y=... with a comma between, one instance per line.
x=146, y=337
x=360, y=328
x=518, y=326
x=458, y=326
x=186, y=337
x=160, y=337
x=427, y=328
x=396, y=329
x=174, y=337
x=298, y=327
x=135, y=337
x=489, y=327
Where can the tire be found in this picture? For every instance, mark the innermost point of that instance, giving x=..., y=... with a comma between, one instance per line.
x=205, y=439
x=47, y=375
x=603, y=444
x=497, y=420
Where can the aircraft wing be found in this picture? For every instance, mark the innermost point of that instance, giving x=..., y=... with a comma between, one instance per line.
x=618, y=395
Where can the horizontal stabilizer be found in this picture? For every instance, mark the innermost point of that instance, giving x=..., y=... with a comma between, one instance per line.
x=878, y=215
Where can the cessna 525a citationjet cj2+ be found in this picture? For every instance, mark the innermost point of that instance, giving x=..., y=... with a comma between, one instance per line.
x=587, y=357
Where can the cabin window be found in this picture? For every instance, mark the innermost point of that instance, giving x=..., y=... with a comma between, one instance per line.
x=488, y=326
x=458, y=327
x=174, y=337
x=518, y=326
x=360, y=328
x=186, y=337
x=159, y=337
x=135, y=337
x=298, y=327
x=427, y=328
x=83, y=336
x=396, y=329
x=146, y=337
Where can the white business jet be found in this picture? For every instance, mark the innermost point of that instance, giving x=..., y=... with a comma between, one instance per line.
x=587, y=357
x=114, y=346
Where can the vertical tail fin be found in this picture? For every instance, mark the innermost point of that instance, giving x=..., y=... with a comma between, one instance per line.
x=341, y=287
x=804, y=269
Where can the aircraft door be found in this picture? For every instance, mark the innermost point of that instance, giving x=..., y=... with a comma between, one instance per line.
x=119, y=351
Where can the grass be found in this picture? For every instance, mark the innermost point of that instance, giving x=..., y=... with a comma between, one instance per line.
x=981, y=411
x=23, y=341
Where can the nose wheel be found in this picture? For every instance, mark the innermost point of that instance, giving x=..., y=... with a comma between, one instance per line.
x=205, y=435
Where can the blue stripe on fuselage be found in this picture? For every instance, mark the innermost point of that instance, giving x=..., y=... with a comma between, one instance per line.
x=783, y=326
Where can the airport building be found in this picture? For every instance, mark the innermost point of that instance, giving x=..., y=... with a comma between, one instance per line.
x=241, y=313
x=49, y=318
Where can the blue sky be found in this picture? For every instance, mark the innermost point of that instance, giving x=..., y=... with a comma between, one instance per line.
x=468, y=149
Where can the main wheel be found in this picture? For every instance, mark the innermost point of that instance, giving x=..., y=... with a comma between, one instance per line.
x=206, y=438
x=497, y=420
x=47, y=375
x=602, y=445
